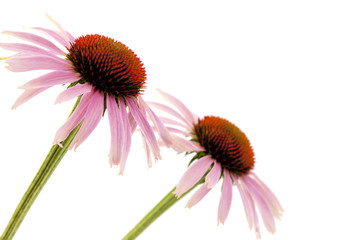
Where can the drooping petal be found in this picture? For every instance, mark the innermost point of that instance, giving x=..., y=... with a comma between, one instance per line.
x=171, y=112
x=181, y=145
x=161, y=129
x=264, y=208
x=120, y=132
x=127, y=134
x=73, y=92
x=267, y=194
x=172, y=122
x=144, y=126
x=198, y=196
x=132, y=123
x=213, y=175
x=147, y=148
x=193, y=174
x=25, y=48
x=147, y=151
x=51, y=79
x=177, y=131
x=180, y=106
x=27, y=95
x=36, y=40
x=65, y=34
x=58, y=37
x=115, y=132
x=75, y=118
x=248, y=203
x=92, y=117
x=19, y=63
x=226, y=198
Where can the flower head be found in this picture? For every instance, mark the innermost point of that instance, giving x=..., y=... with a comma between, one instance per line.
x=104, y=73
x=221, y=150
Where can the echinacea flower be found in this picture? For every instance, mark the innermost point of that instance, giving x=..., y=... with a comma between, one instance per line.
x=104, y=72
x=221, y=150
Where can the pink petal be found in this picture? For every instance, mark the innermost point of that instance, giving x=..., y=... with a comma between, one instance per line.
x=267, y=194
x=127, y=134
x=37, y=40
x=51, y=79
x=171, y=112
x=248, y=203
x=163, y=132
x=181, y=145
x=193, y=174
x=266, y=213
x=65, y=34
x=27, y=95
x=120, y=133
x=249, y=206
x=25, y=48
x=58, y=37
x=19, y=63
x=115, y=132
x=181, y=107
x=198, y=196
x=172, y=122
x=213, y=175
x=176, y=130
x=73, y=92
x=144, y=126
x=147, y=151
x=75, y=118
x=145, y=142
x=226, y=198
x=92, y=117
x=132, y=123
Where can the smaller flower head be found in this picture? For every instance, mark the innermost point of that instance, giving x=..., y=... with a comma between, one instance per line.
x=104, y=73
x=221, y=150
x=226, y=143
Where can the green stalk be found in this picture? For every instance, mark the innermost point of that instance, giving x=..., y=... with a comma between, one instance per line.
x=51, y=161
x=169, y=200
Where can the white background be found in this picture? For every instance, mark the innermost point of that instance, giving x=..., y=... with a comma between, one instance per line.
x=286, y=72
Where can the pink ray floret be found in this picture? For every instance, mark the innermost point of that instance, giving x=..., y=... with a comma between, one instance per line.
x=254, y=193
x=144, y=126
x=56, y=52
x=198, y=196
x=23, y=63
x=193, y=174
x=51, y=79
x=120, y=133
x=226, y=198
x=91, y=118
x=27, y=95
x=213, y=176
x=73, y=92
x=25, y=49
x=35, y=39
x=75, y=118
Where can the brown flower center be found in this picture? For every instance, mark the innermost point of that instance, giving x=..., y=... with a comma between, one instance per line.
x=108, y=65
x=226, y=143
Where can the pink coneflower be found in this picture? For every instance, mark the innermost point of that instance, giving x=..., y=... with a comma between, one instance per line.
x=104, y=72
x=221, y=150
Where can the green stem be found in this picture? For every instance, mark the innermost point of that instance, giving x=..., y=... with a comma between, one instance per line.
x=169, y=200
x=51, y=161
